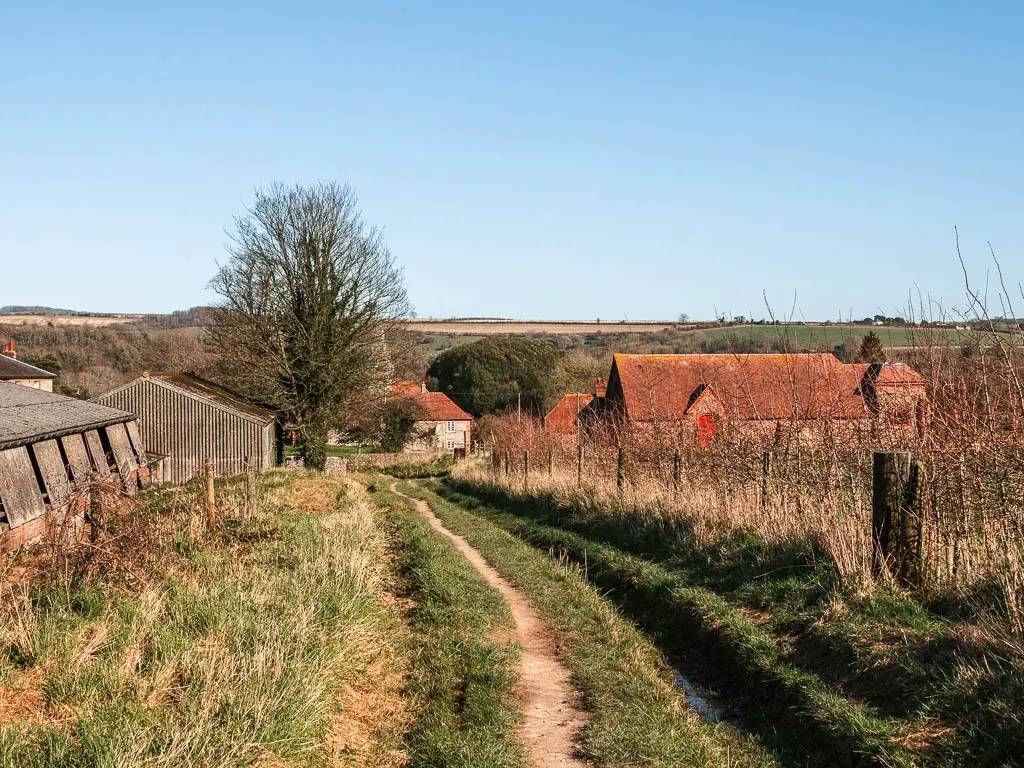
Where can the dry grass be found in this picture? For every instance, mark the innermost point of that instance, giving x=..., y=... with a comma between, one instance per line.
x=272, y=643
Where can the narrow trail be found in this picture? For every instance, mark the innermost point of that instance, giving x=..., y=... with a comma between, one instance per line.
x=552, y=717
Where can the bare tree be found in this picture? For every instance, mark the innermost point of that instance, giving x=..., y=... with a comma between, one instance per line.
x=311, y=304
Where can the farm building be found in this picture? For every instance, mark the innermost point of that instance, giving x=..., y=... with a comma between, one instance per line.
x=15, y=371
x=760, y=394
x=564, y=416
x=187, y=420
x=440, y=425
x=48, y=442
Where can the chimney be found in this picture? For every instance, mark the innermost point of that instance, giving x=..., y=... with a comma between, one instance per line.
x=600, y=388
x=8, y=351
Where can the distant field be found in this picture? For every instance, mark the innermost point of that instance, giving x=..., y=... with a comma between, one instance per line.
x=810, y=336
x=90, y=320
x=484, y=327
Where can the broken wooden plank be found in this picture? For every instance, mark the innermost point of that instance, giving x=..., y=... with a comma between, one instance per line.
x=19, y=489
x=99, y=457
x=121, y=447
x=54, y=473
x=78, y=457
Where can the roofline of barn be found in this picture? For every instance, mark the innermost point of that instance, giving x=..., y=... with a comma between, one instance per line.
x=76, y=429
x=161, y=380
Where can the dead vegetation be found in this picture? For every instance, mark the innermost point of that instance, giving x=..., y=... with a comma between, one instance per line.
x=270, y=641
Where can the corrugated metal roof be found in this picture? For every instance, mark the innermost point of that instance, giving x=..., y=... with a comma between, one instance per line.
x=16, y=369
x=29, y=415
x=207, y=390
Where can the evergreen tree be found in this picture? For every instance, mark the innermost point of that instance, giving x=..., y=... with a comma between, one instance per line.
x=871, y=349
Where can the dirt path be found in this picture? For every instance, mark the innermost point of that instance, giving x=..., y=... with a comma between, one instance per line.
x=552, y=717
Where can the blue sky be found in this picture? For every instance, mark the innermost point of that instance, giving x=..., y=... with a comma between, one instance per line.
x=535, y=160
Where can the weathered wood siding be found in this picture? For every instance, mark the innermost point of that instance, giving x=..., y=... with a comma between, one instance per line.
x=188, y=429
x=19, y=489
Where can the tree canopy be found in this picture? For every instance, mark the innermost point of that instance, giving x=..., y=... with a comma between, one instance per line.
x=490, y=375
x=311, y=299
x=871, y=350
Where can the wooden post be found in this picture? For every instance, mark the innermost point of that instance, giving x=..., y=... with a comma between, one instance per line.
x=676, y=467
x=766, y=475
x=526, y=471
x=620, y=471
x=551, y=461
x=896, y=522
x=507, y=469
x=579, y=465
x=250, y=487
x=211, y=503
x=94, y=512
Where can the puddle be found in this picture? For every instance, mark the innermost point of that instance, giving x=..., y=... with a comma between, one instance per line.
x=696, y=700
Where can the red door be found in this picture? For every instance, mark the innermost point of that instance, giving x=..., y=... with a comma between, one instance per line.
x=707, y=426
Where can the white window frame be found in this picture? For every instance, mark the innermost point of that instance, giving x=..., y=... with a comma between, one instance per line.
x=451, y=426
x=451, y=444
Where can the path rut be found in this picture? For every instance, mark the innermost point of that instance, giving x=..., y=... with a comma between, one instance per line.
x=552, y=716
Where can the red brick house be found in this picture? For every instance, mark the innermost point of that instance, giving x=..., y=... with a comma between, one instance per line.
x=757, y=395
x=441, y=424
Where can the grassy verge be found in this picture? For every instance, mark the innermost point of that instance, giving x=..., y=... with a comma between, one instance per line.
x=271, y=645
x=637, y=714
x=878, y=677
x=462, y=686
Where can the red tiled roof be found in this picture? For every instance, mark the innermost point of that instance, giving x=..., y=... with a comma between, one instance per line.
x=406, y=388
x=562, y=418
x=748, y=386
x=898, y=374
x=437, y=406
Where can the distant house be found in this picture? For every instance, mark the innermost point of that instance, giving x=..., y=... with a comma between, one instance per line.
x=15, y=371
x=441, y=424
x=564, y=416
x=759, y=394
x=48, y=442
x=187, y=420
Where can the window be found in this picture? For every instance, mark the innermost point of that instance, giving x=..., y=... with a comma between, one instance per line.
x=451, y=426
x=901, y=417
x=451, y=444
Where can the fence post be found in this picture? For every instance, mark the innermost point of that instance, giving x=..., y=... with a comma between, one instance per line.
x=620, y=471
x=211, y=503
x=676, y=467
x=579, y=465
x=896, y=522
x=526, y=470
x=94, y=512
x=250, y=487
x=766, y=475
x=551, y=461
x=505, y=459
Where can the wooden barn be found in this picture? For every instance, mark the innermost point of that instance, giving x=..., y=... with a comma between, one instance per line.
x=187, y=420
x=50, y=442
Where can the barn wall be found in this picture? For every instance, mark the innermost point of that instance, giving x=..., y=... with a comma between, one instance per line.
x=188, y=430
x=37, y=478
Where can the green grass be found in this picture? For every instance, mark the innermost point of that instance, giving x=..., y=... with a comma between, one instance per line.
x=826, y=337
x=235, y=652
x=337, y=450
x=772, y=624
x=463, y=682
x=637, y=714
x=438, y=467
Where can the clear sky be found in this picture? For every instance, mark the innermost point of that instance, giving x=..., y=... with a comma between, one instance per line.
x=531, y=160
